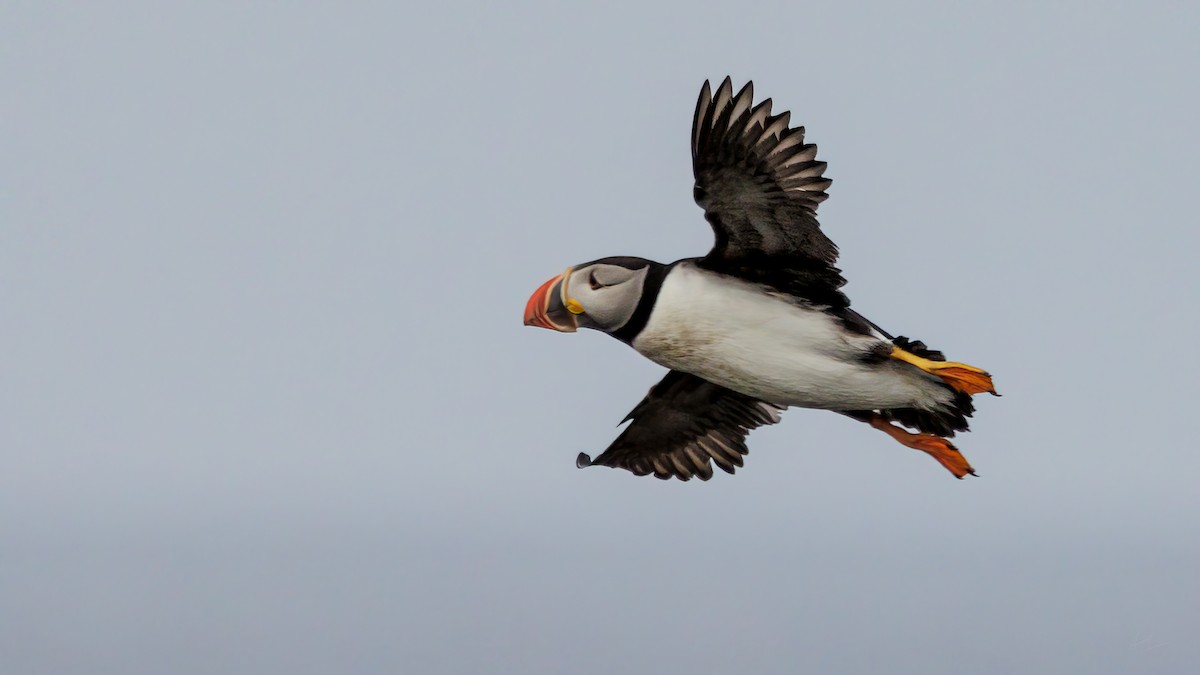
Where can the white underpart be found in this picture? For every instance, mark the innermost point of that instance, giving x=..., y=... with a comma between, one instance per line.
x=743, y=337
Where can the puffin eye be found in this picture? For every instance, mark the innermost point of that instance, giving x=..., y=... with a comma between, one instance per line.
x=593, y=282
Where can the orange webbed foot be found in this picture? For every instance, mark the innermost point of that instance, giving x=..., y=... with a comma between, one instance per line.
x=937, y=447
x=967, y=379
x=944, y=452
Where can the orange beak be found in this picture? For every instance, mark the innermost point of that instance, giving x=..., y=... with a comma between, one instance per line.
x=547, y=309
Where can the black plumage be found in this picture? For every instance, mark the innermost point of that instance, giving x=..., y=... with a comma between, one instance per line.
x=684, y=422
x=760, y=184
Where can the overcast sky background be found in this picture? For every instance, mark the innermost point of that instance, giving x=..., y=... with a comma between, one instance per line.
x=267, y=404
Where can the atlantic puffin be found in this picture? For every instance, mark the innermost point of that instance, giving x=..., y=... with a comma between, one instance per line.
x=760, y=323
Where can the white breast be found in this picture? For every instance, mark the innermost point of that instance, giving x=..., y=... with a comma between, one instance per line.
x=740, y=336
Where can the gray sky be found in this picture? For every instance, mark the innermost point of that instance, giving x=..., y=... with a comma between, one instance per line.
x=267, y=404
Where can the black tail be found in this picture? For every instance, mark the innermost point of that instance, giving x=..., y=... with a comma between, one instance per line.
x=943, y=423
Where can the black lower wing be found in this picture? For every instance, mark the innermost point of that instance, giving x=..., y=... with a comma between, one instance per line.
x=683, y=423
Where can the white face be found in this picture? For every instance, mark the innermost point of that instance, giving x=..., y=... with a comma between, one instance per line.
x=608, y=294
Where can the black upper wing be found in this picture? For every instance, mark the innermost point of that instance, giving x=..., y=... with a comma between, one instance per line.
x=683, y=422
x=759, y=185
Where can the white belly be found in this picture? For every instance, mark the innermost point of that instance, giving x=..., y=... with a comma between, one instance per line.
x=730, y=332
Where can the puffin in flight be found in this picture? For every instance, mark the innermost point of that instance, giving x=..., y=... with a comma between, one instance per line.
x=758, y=324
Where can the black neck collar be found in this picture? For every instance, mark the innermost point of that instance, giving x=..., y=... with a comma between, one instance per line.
x=655, y=274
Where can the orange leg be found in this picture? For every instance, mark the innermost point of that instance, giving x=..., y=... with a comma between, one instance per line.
x=964, y=378
x=939, y=448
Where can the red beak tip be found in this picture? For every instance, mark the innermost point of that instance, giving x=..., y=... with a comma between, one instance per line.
x=535, y=308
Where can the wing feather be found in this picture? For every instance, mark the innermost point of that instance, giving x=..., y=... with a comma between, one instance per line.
x=683, y=425
x=760, y=184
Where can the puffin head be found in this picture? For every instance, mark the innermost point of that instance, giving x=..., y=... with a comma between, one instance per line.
x=602, y=295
